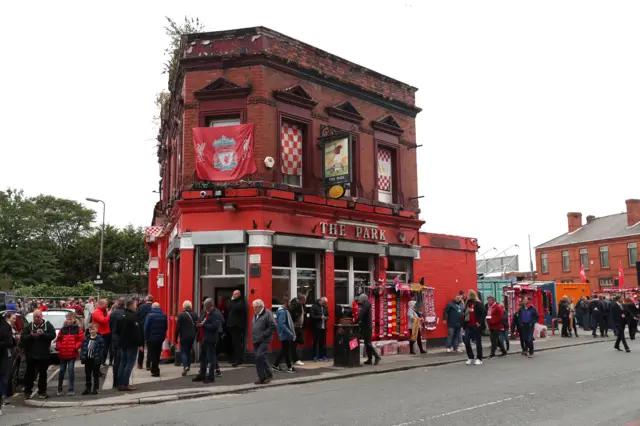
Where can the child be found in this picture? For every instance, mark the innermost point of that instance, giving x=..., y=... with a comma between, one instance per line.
x=91, y=356
x=68, y=343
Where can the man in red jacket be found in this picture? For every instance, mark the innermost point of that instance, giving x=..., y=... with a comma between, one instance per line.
x=101, y=316
x=495, y=317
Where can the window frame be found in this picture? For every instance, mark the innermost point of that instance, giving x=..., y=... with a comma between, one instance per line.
x=606, y=250
x=601, y=279
x=293, y=275
x=224, y=255
x=396, y=164
x=209, y=119
x=287, y=113
x=567, y=267
x=584, y=251
x=632, y=246
x=544, y=263
x=352, y=273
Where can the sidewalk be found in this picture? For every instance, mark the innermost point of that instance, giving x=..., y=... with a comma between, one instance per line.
x=171, y=386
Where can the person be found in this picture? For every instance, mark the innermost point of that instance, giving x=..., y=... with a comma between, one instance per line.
x=155, y=330
x=142, y=312
x=596, y=312
x=36, y=340
x=186, y=334
x=91, y=355
x=452, y=316
x=262, y=329
x=517, y=326
x=414, y=321
x=619, y=315
x=101, y=316
x=474, y=316
x=319, y=317
x=286, y=335
x=581, y=311
x=117, y=311
x=495, y=321
x=209, y=325
x=365, y=322
x=607, y=320
x=298, y=314
x=7, y=347
x=573, y=325
x=563, y=315
x=236, y=323
x=528, y=317
x=11, y=306
x=504, y=335
x=89, y=307
x=68, y=343
x=129, y=333
x=632, y=318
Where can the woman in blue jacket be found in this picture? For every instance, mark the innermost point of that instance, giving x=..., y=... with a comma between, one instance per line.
x=286, y=335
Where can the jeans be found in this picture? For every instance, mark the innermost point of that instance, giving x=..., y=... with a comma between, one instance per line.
x=475, y=334
x=70, y=365
x=496, y=342
x=186, y=345
x=6, y=364
x=207, y=358
x=141, y=359
x=285, y=352
x=107, y=348
x=565, y=326
x=319, y=342
x=504, y=339
x=527, y=337
x=260, y=351
x=453, y=338
x=126, y=361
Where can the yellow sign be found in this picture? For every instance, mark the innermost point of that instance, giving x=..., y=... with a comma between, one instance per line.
x=336, y=191
x=417, y=287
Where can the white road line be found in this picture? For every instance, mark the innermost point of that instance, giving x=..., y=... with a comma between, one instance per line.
x=49, y=378
x=462, y=410
x=108, y=379
x=620, y=373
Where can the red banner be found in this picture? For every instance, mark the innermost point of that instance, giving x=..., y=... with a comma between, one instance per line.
x=224, y=153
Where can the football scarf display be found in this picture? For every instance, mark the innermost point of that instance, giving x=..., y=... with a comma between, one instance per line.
x=392, y=314
x=372, y=300
x=430, y=319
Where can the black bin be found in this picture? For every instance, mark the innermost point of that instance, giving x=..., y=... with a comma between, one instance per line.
x=343, y=355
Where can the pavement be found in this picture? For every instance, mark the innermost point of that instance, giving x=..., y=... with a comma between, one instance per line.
x=578, y=383
x=171, y=386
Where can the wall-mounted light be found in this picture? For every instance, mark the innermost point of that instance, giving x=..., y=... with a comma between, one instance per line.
x=229, y=207
x=269, y=224
x=314, y=228
x=396, y=210
x=255, y=225
x=413, y=239
x=218, y=193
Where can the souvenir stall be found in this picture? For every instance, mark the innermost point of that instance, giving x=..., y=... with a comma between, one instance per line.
x=542, y=299
x=632, y=293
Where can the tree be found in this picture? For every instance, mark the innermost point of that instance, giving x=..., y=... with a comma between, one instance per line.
x=175, y=32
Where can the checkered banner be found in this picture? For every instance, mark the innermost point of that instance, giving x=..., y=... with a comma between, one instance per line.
x=384, y=169
x=291, y=148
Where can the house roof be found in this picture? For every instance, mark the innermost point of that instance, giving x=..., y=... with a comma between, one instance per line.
x=601, y=228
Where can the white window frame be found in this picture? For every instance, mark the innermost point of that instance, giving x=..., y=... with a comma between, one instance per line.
x=352, y=275
x=406, y=274
x=568, y=265
x=293, y=276
x=294, y=180
x=630, y=247
x=222, y=122
x=585, y=263
x=224, y=255
x=608, y=282
x=386, y=196
x=544, y=263
x=604, y=249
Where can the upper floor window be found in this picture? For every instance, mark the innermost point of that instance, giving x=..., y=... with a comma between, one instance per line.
x=605, y=282
x=291, y=140
x=566, y=261
x=222, y=121
x=604, y=257
x=632, y=251
x=584, y=258
x=544, y=260
x=385, y=175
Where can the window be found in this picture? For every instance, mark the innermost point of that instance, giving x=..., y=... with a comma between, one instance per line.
x=291, y=141
x=294, y=273
x=584, y=258
x=604, y=257
x=632, y=250
x=606, y=282
x=222, y=261
x=385, y=175
x=566, y=261
x=352, y=274
x=544, y=260
x=222, y=121
x=399, y=267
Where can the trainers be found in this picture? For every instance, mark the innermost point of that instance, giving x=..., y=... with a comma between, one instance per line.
x=469, y=362
x=461, y=350
x=449, y=350
x=59, y=392
x=43, y=396
x=291, y=370
x=218, y=373
x=299, y=362
x=71, y=392
x=86, y=392
x=478, y=362
x=94, y=392
x=315, y=359
x=276, y=368
x=325, y=359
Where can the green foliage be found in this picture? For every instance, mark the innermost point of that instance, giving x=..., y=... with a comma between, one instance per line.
x=45, y=239
x=175, y=32
x=56, y=291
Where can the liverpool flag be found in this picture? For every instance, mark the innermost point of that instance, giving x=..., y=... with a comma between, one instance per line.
x=582, y=274
x=620, y=275
x=224, y=153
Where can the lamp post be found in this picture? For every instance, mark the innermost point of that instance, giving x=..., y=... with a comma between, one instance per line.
x=104, y=208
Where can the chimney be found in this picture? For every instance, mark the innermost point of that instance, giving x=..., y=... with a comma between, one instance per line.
x=575, y=221
x=633, y=212
x=590, y=218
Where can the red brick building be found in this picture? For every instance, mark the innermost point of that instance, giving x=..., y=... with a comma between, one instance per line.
x=601, y=244
x=277, y=231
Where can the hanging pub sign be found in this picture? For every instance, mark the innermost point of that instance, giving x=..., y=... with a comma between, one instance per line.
x=336, y=159
x=336, y=191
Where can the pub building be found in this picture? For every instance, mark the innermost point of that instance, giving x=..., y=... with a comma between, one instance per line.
x=287, y=170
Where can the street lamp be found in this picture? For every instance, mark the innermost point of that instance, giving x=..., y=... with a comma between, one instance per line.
x=104, y=208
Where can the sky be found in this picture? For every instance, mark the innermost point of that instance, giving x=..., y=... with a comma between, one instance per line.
x=530, y=109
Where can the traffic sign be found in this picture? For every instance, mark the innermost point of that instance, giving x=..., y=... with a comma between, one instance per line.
x=97, y=282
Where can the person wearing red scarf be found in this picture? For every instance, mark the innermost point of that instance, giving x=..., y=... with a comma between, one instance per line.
x=495, y=319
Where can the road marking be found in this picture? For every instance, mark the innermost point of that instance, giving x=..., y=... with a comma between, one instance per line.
x=462, y=410
x=49, y=378
x=620, y=373
x=108, y=379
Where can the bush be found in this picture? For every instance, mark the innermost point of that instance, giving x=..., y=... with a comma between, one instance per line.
x=55, y=291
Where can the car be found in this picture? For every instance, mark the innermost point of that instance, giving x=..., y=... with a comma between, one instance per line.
x=57, y=318
x=16, y=376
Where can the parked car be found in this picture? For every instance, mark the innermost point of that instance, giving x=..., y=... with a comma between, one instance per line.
x=56, y=317
x=16, y=379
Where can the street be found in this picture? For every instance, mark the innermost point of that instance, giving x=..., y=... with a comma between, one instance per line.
x=587, y=385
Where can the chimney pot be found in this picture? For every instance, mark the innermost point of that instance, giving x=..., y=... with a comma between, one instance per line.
x=574, y=220
x=590, y=218
x=633, y=212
